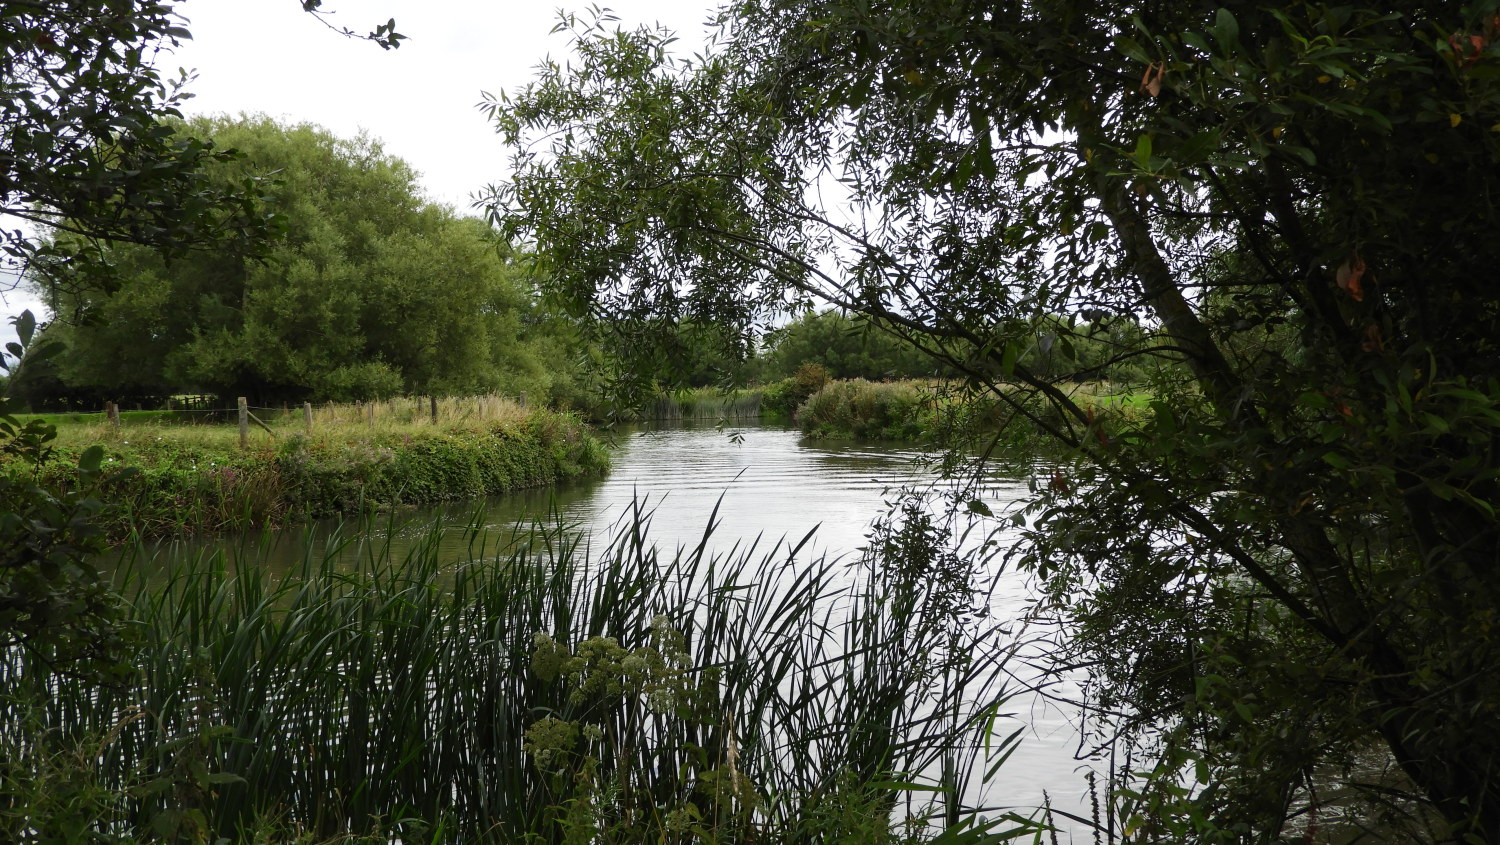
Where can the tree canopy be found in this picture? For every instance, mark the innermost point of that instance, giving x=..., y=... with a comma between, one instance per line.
x=1287, y=561
x=845, y=346
x=371, y=291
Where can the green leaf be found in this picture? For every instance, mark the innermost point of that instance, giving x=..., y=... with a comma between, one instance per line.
x=1142, y=154
x=1133, y=49
x=905, y=786
x=1197, y=147
x=25, y=324
x=1008, y=357
x=1226, y=30
x=91, y=459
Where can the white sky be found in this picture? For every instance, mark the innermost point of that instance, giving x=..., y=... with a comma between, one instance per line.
x=269, y=56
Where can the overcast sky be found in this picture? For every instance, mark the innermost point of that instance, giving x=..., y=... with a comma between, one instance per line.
x=269, y=56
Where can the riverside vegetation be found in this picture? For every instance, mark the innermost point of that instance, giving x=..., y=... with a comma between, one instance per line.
x=930, y=410
x=180, y=479
x=404, y=700
x=538, y=691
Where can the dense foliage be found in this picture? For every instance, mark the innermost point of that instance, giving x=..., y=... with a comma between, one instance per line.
x=855, y=346
x=53, y=607
x=371, y=292
x=1285, y=565
x=85, y=148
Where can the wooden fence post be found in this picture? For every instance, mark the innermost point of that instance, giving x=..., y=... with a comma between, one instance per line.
x=244, y=423
x=112, y=411
x=370, y=409
x=432, y=400
x=307, y=417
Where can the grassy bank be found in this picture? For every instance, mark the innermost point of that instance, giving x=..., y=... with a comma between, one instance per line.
x=934, y=412
x=195, y=478
x=536, y=693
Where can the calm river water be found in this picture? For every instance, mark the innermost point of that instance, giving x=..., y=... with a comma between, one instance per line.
x=763, y=484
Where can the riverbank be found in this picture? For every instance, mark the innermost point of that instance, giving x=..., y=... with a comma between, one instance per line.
x=936, y=413
x=171, y=479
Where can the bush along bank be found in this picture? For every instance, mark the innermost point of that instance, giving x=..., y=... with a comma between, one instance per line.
x=868, y=410
x=166, y=481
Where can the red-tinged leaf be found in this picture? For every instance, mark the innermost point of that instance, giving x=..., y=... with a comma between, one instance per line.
x=1373, y=341
x=1466, y=48
x=1151, y=79
x=1059, y=484
x=1349, y=276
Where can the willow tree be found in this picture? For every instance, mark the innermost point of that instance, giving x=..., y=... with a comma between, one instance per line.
x=371, y=290
x=1289, y=560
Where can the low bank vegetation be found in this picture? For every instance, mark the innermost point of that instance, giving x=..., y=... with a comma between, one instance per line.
x=937, y=412
x=170, y=479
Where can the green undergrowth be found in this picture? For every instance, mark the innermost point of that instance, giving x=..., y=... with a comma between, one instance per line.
x=171, y=480
x=539, y=690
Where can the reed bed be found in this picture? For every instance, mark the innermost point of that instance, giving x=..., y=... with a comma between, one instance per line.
x=538, y=691
x=704, y=404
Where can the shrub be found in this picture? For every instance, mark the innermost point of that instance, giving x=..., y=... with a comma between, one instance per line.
x=783, y=398
x=865, y=409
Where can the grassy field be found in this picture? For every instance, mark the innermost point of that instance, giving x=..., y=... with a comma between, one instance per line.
x=330, y=422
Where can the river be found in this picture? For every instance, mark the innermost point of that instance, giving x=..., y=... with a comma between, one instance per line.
x=761, y=485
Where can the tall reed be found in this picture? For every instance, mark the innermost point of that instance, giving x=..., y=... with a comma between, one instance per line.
x=538, y=691
x=703, y=404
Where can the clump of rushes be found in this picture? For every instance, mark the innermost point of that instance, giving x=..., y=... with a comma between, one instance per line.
x=538, y=692
x=194, y=479
x=703, y=403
